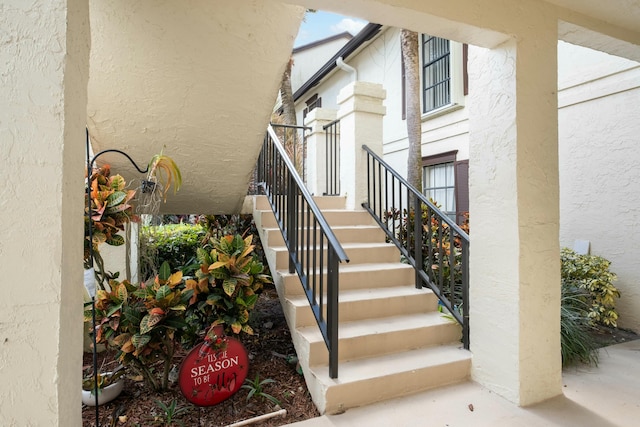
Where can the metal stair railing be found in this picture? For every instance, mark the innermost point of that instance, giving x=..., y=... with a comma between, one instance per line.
x=314, y=251
x=294, y=140
x=332, y=158
x=436, y=247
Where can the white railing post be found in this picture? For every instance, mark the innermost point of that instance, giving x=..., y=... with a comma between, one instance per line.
x=360, y=113
x=316, y=149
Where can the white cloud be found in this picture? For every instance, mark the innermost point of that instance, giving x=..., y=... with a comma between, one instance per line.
x=348, y=24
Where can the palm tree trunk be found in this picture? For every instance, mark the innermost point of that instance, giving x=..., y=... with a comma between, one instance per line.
x=409, y=42
x=286, y=94
x=289, y=115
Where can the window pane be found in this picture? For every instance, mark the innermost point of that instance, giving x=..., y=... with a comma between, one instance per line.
x=435, y=73
x=438, y=183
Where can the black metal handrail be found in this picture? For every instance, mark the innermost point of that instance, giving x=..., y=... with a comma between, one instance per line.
x=436, y=246
x=295, y=144
x=314, y=251
x=332, y=158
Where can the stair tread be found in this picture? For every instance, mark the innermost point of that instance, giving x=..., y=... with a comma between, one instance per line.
x=367, y=294
x=354, y=268
x=358, y=328
x=347, y=246
x=337, y=227
x=394, y=363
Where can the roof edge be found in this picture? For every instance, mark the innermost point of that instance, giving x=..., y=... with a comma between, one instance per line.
x=368, y=32
x=344, y=34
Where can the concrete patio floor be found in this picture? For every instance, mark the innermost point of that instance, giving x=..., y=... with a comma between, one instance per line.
x=603, y=396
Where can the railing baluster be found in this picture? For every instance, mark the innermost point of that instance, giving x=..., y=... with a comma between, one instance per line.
x=436, y=227
x=465, y=293
x=417, y=237
x=452, y=267
x=332, y=313
x=380, y=191
x=440, y=259
x=296, y=213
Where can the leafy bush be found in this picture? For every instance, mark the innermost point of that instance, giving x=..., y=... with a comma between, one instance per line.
x=591, y=273
x=176, y=244
x=227, y=286
x=110, y=211
x=224, y=225
x=438, y=241
x=143, y=322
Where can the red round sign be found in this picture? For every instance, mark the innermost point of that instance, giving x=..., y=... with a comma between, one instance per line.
x=209, y=376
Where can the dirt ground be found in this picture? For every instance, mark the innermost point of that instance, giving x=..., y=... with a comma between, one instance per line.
x=606, y=336
x=271, y=355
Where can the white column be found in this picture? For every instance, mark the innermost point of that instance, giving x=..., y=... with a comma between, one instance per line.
x=514, y=205
x=43, y=92
x=316, y=149
x=360, y=113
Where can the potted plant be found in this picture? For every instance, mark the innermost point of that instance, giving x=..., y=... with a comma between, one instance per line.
x=110, y=211
x=163, y=171
x=110, y=386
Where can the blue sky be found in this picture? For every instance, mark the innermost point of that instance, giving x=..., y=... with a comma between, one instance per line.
x=319, y=25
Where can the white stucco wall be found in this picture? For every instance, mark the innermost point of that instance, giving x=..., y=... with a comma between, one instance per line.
x=599, y=130
x=44, y=57
x=42, y=107
x=197, y=81
x=599, y=126
x=380, y=62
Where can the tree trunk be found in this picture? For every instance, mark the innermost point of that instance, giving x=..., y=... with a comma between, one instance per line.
x=291, y=145
x=286, y=95
x=409, y=42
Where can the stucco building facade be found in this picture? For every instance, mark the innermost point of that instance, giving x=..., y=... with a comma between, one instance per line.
x=49, y=52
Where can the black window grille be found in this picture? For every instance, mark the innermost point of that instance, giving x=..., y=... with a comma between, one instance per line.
x=436, y=74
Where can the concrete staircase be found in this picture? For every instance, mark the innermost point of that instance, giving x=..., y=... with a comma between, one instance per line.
x=392, y=339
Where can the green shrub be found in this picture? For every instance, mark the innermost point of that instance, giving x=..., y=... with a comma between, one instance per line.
x=591, y=273
x=438, y=241
x=229, y=279
x=176, y=244
x=223, y=225
x=143, y=322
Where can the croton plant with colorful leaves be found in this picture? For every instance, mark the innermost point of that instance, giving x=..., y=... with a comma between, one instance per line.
x=146, y=322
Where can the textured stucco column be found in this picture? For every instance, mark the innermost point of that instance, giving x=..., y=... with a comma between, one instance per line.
x=43, y=83
x=317, y=149
x=514, y=205
x=360, y=112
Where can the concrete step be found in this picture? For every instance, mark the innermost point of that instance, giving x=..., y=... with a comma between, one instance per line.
x=377, y=337
x=344, y=234
x=335, y=217
x=358, y=253
x=392, y=339
x=323, y=202
x=364, y=381
x=360, y=304
x=359, y=276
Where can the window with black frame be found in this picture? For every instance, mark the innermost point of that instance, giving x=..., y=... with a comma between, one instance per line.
x=436, y=73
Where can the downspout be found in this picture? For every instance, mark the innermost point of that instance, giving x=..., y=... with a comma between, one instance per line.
x=348, y=68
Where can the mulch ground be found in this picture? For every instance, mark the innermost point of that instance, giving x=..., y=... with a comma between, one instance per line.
x=271, y=355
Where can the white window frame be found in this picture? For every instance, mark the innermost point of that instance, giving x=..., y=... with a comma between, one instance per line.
x=451, y=186
x=456, y=73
